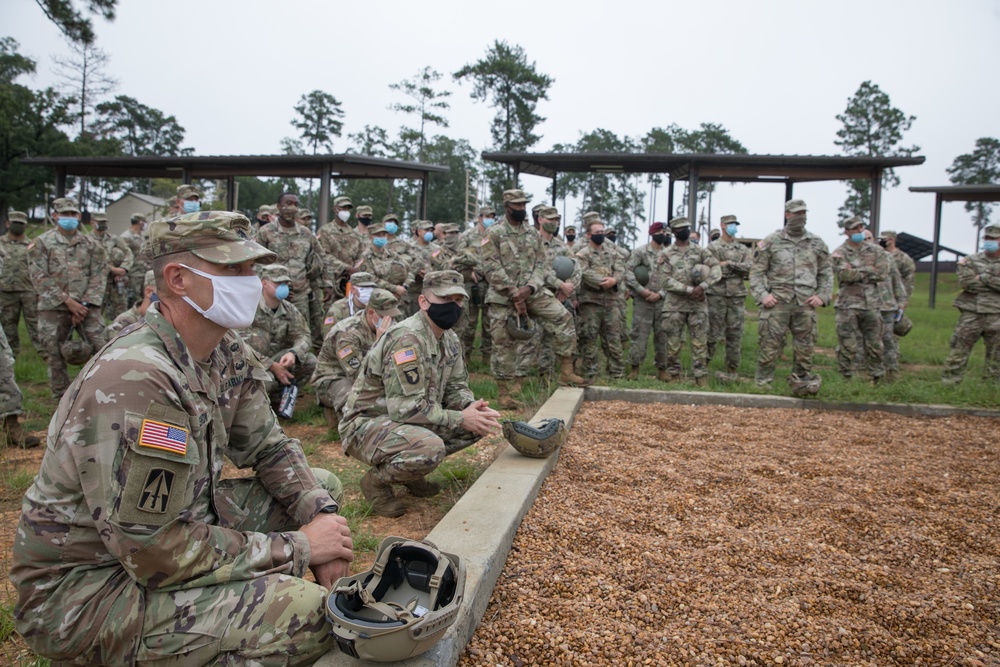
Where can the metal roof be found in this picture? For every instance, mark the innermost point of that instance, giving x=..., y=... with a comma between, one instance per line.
x=345, y=165
x=710, y=166
x=918, y=248
x=984, y=192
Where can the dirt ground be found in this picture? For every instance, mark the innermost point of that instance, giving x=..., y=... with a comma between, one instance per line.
x=675, y=535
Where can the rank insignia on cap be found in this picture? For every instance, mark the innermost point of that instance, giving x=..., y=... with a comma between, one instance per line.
x=156, y=491
x=404, y=356
x=162, y=436
x=345, y=352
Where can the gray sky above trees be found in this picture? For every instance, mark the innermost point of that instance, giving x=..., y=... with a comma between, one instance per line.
x=774, y=73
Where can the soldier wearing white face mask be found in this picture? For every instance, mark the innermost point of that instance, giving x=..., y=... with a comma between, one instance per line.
x=361, y=286
x=342, y=245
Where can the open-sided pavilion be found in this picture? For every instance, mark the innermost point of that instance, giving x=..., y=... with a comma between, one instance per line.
x=696, y=168
x=227, y=167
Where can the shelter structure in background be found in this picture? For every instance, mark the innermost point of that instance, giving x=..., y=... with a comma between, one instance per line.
x=696, y=168
x=188, y=168
x=121, y=210
x=943, y=193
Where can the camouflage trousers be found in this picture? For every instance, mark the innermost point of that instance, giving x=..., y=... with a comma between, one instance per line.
x=334, y=393
x=548, y=314
x=542, y=348
x=55, y=326
x=137, y=280
x=116, y=298
x=276, y=619
x=472, y=313
x=695, y=323
x=12, y=306
x=317, y=311
x=890, y=344
x=854, y=323
x=969, y=329
x=647, y=317
x=773, y=325
x=621, y=305
x=11, y=400
x=726, y=315
x=301, y=300
x=598, y=320
x=400, y=453
x=303, y=369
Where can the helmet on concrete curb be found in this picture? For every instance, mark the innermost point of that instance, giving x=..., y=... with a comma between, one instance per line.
x=520, y=327
x=401, y=606
x=563, y=266
x=804, y=387
x=538, y=442
x=642, y=274
x=902, y=326
x=76, y=351
x=699, y=274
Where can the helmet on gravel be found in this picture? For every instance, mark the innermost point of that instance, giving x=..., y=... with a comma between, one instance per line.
x=538, y=442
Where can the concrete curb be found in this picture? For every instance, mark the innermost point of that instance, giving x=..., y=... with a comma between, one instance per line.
x=480, y=527
x=765, y=401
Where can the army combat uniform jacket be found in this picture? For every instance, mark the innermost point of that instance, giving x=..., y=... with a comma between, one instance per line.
x=673, y=273
x=128, y=499
x=63, y=266
x=791, y=269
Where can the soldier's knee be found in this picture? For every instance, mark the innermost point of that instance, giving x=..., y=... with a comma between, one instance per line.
x=331, y=483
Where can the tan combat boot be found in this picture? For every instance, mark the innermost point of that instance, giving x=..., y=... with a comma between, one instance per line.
x=381, y=497
x=663, y=376
x=568, y=377
x=14, y=436
x=504, y=398
x=423, y=488
x=701, y=381
x=634, y=373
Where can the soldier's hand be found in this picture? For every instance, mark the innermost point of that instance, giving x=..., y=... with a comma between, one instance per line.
x=480, y=419
x=608, y=282
x=327, y=294
x=522, y=294
x=564, y=291
x=328, y=573
x=769, y=301
x=281, y=374
x=329, y=539
x=814, y=301
x=383, y=326
x=698, y=294
x=651, y=296
x=117, y=271
x=287, y=359
x=399, y=290
x=76, y=309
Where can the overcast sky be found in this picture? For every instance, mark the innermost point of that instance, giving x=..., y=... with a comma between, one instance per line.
x=774, y=73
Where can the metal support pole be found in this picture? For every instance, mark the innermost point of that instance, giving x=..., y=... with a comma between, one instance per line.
x=61, y=183
x=186, y=175
x=693, y=196
x=670, y=198
x=517, y=176
x=934, y=249
x=423, y=196
x=876, y=202
x=230, y=193
x=555, y=191
x=323, y=215
x=789, y=190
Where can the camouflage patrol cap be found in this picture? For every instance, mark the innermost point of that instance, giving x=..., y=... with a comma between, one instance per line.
x=303, y=214
x=276, y=273
x=66, y=205
x=591, y=215
x=887, y=234
x=265, y=209
x=445, y=283
x=571, y=228
x=362, y=210
x=384, y=303
x=137, y=217
x=537, y=208
x=375, y=228
x=343, y=202
x=390, y=216
x=514, y=197
x=679, y=223
x=363, y=279
x=487, y=210
x=727, y=219
x=794, y=206
x=451, y=228
x=992, y=231
x=851, y=223
x=219, y=237
x=187, y=190
x=98, y=216
x=149, y=280
x=425, y=224
x=549, y=213
x=17, y=216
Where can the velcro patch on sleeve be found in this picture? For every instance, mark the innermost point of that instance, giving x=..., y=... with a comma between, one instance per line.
x=163, y=436
x=346, y=352
x=486, y=239
x=405, y=356
x=329, y=320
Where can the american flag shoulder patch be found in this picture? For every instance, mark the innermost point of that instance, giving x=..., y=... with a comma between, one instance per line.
x=404, y=356
x=329, y=320
x=486, y=239
x=163, y=436
x=345, y=352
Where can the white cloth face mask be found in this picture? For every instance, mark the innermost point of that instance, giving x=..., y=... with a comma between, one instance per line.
x=234, y=299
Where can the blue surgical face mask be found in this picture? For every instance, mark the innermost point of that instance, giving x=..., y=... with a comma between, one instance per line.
x=191, y=206
x=428, y=236
x=858, y=238
x=281, y=292
x=487, y=222
x=69, y=224
x=732, y=229
x=380, y=241
x=991, y=245
x=391, y=228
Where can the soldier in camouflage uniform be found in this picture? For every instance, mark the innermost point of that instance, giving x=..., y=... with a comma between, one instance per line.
x=623, y=294
x=393, y=272
x=859, y=268
x=904, y=263
x=564, y=290
x=685, y=307
x=305, y=218
x=154, y=556
x=69, y=271
x=570, y=232
x=361, y=286
x=280, y=335
x=421, y=248
x=727, y=298
x=266, y=214
x=17, y=292
x=299, y=250
x=892, y=296
x=363, y=216
x=441, y=257
x=134, y=237
x=647, y=303
x=515, y=265
x=120, y=259
x=790, y=278
x=979, y=310
x=345, y=347
x=469, y=264
x=11, y=399
x=602, y=275
x=342, y=245
x=137, y=311
x=411, y=404
x=188, y=200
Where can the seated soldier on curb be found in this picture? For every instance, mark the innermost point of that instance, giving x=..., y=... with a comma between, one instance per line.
x=280, y=335
x=361, y=285
x=345, y=347
x=131, y=548
x=137, y=311
x=411, y=405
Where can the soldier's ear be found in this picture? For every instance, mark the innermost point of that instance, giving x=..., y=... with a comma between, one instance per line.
x=174, y=275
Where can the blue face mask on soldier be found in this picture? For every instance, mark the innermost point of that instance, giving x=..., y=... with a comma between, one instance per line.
x=487, y=222
x=428, y=236
x=392, y=227
x=69, y=224
x=281, y=292
x=380, y=241
x=732, y=229
x=858, y=238
x=991, y=245
x=191, y=206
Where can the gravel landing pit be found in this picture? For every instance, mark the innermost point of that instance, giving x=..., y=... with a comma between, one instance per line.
x=675, y=535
